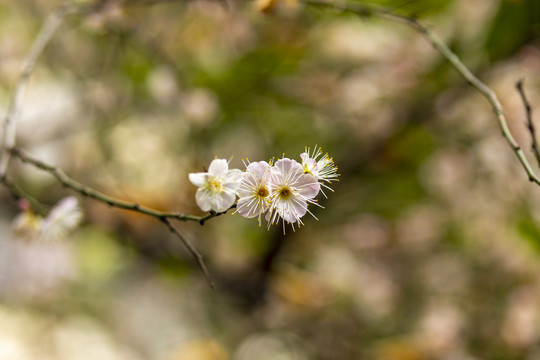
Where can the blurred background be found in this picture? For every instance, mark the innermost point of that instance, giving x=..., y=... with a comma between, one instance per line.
x=429, y=248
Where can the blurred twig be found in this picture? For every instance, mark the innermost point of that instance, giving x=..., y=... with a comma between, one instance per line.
x=19, y=194
x=191, y=249
x=39, y=44
x=445, y=51
x=530, y=124
x=45, y=34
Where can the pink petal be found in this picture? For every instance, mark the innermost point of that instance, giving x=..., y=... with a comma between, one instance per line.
x=308, y=186
x=249, y=207
x=259, y=169
x=292, y=210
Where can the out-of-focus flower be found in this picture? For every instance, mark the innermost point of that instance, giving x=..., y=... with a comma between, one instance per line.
x=64, y=217
x=269, y=6
x=291, y=190
x=217, y=187
x=323, y=169
x=253, y=192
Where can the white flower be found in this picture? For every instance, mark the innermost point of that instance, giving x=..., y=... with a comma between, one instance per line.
x=65, y=216
x=323, y=169
x=290, y=192
x=217, y=187
x=253, y=192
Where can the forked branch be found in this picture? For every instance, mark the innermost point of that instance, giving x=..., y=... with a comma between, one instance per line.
x=445, y=51
x=529, y=120
x=164, y=217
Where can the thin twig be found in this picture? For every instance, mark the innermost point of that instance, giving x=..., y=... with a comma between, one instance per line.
x=529, y=121
x=44, y=36
x=445, y=51
x=109, y=200
x=19, y=194
x=10, y=120
x=164, y=217
x=41, y=41
x=196, y=255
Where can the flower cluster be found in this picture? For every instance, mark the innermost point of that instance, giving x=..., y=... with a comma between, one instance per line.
x=281, y=191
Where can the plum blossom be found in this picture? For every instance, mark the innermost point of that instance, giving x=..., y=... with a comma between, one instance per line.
x=323, y=169
x=64, y=217
x=291, y=190
x=281, y=191
x=217, y=187
x=253, y=193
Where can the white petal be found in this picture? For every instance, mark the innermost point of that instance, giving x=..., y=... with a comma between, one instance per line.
x=223, y=201
x=233, y=179
x=218, y=167
x=198, y=179
x=203, y=197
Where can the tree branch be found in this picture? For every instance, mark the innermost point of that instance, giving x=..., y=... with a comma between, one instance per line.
x=10, y=120
x=196, y=255
x=86, y=191
x=529, y=121
x=445, y=51
x=19, y=194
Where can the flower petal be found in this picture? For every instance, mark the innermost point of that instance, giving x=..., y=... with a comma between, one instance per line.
x=203, y=197
x=222, y=202
x=292, y=209
x=198, y=179
x=308, y=186
x=218, y=167
x=232, y=179
x=250, y=207
x=259, y=169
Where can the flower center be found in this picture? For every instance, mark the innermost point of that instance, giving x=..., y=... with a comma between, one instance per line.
x=216, y=185
x=285, y=192
x=263, y=192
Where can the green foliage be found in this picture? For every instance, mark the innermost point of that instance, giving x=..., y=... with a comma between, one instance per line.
x=516, y=24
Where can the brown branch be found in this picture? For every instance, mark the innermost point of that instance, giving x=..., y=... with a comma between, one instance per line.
x=196, y=255
x=529, y=121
